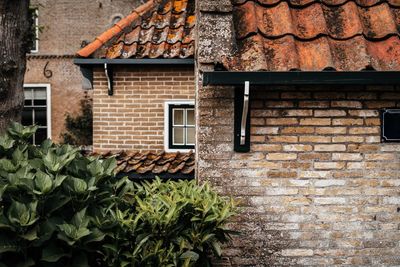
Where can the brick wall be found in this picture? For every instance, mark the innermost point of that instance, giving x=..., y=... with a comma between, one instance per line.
x=65, y=24
x=318, y=187
x=65, y=85
x=133, y=118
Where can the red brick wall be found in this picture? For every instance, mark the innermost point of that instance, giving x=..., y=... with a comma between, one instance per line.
x=133, y=118
x=318, y=187
x=66, y=89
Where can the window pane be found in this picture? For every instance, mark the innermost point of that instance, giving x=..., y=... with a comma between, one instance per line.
x=40, y=102
x=27, y=117
x=41, y=116
x=28, y=93
x=190, y=117
x=39, y=93
x=178, y=117
x=190, y=136
x=40, y=136
x=178, y=137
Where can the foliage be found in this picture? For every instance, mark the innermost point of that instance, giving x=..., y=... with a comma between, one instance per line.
x=59, y=208
x=174, y=224
x=80, y=128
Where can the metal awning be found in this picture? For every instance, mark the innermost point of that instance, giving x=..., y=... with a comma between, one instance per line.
x=302, y=78
x=87, y=64
x=133, y=61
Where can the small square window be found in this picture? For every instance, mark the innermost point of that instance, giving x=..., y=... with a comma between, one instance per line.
x=181, y=126
x=391, y=125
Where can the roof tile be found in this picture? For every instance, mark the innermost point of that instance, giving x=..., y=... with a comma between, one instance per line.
x=315, y=35
x=155, y=163
x=164, y=29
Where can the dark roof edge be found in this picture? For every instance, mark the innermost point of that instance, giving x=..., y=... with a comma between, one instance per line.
x=151, y=176
x=134, y=61
x=302, y=78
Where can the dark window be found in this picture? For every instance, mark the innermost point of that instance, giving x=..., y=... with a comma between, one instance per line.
x=391, y=125
x=35, y=30
x=181, y=126
x=35, y=112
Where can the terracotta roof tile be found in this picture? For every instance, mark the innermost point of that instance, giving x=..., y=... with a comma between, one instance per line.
x=153, y=163
x=163, y=29
x=311, y=35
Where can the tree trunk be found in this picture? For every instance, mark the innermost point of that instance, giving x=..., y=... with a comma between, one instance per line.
x=15, y=41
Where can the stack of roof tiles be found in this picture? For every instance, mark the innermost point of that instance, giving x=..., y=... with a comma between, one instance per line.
x=148, y=165
x=157, y=29
x=311, y=35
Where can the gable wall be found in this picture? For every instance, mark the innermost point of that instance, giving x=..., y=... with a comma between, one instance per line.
x=317, y=188
x=133, y=118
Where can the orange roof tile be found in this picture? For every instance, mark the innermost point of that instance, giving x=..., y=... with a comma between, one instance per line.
x=153, y=164
x=157, y=29
x=311, y=35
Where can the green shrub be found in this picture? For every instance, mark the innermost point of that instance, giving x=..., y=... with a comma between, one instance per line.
x=174, y=224
x=53, y=202
x=59, y=208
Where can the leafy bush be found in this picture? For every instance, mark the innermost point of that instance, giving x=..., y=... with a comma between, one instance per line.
x=59, y=208
x=174, y=224
x=52, y=200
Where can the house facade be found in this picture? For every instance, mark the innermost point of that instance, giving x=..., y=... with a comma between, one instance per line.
x=53, y=84
x=292, y=98
x=142, y=74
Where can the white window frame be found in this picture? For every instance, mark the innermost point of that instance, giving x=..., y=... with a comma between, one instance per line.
x=166, y=122
x=48, y=100
x=36, y=23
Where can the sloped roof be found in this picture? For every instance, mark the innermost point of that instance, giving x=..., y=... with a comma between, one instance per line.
x=311, y=35
x=156, y=29
x=169, y=165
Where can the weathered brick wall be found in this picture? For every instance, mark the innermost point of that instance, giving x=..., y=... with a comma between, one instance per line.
x=133, y=118
x=65, y=24
x=318, y=187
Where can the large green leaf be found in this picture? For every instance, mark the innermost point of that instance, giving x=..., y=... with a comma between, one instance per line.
x=17, y=131
x=52, y=162
x=21, y=214
x=43, y=182
x=7, y=166
x=53, y=253
x=31, y=235
x=6, y=142
x=77, y=185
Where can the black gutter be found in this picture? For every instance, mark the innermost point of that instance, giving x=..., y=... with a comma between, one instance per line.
x=134, y=61
x=302, y=78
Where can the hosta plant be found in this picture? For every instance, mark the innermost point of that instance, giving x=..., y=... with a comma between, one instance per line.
x=60, y=208
x=53, y=203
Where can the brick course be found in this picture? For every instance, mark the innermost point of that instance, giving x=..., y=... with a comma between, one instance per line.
x=133, y=118
x=318, y=187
